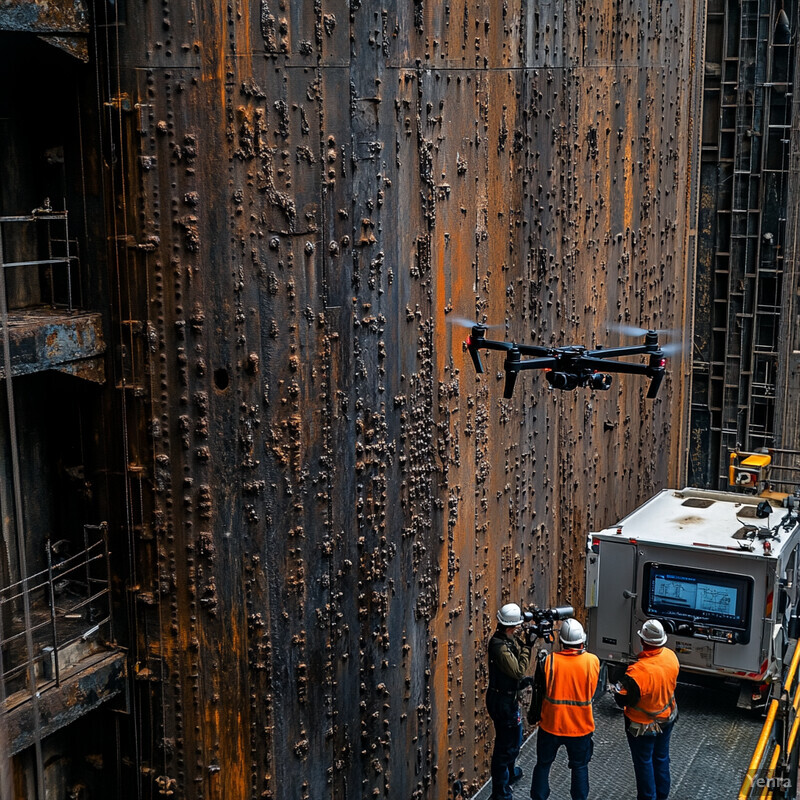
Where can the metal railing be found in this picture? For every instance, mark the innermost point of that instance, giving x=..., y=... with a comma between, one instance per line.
x=772, y=772
x=71, y=604
x=55, y=247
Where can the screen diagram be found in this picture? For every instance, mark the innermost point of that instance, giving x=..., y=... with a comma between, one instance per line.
x=699, y=596
x=703, y=597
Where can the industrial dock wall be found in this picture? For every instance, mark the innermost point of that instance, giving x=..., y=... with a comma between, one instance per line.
x=325, y=504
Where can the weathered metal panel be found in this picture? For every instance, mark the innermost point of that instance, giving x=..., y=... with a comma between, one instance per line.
x=46, y=18
x=63, y=24
x=338, y=502
x=92, y=685
x=42, y=339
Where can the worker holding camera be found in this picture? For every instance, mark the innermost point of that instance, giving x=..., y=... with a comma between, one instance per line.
x=509, y=657
x=564, y=686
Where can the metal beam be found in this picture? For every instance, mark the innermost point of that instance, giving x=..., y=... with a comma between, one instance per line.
x=78, y=694
x=44, y=338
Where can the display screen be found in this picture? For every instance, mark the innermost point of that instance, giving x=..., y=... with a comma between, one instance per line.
x=695, y=595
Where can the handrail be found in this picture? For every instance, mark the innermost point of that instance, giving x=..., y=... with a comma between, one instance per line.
x=69, y=564
x=770, y=773
x=761, y=746
x=71, y=600
x=767, y=731
x=50, y=219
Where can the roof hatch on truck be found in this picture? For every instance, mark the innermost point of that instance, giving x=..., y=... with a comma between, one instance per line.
x=697, y=502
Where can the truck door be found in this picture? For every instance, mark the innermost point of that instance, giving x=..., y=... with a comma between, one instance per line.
x=611, y=631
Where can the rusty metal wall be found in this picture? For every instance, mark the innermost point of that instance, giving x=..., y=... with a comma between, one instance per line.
x=326, y=505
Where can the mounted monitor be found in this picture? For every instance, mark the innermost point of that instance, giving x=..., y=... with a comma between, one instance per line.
x=699, y=597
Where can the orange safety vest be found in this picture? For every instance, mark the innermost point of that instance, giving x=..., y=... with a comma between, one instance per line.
x=655, y=673
x=570, y=683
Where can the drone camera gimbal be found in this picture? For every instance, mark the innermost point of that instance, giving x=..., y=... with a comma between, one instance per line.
x=568, y=367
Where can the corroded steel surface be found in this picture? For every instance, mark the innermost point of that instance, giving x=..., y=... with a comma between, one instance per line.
x=42, y=339
x=62, y=23
x=64, y=17
x=327, y=504
x=96, y=680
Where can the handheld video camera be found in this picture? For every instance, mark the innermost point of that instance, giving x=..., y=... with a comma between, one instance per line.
x=539, y=621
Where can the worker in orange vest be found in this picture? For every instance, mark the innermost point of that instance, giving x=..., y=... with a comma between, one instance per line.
x=565, y=683
x=647, y=693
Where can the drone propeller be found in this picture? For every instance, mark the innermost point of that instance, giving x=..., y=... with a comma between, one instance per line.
x=674, y=348
x=631, y=330
x=469, y=323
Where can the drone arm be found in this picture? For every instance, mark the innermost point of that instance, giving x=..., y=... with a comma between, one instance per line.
x=489, y=344
x=546, y=362
x=655, y=383
x=618, y=352
x=475, y=355
x=655, y=371
x=534, y=350
x=602, y=365
x=476, y=341
x=513, y=365
x=511, y=382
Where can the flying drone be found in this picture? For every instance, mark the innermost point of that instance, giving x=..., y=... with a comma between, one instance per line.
x=568, y=367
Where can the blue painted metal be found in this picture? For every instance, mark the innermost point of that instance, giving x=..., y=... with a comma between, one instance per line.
x=44, y=338
x=64, y=23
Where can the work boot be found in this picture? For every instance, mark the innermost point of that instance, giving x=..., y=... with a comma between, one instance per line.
x=516, y=776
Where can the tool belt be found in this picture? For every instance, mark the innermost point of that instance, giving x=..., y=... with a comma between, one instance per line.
x=636, y=729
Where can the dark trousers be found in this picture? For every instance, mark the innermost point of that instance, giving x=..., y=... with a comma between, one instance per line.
x=579, y=752
x=507, y=742
x=651, y=764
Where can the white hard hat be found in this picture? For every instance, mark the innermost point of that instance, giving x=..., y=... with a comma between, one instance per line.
x=652, y=632
x=510, y=615
x=572, y=632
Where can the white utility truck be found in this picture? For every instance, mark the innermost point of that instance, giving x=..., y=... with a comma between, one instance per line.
x=718, y=569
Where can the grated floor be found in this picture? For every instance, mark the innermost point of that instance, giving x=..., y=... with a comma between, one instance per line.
x=711, y=747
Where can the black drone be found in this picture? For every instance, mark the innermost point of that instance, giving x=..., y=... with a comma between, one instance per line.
x=572, y=366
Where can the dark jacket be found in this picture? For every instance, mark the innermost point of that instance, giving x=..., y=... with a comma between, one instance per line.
x=508, y=662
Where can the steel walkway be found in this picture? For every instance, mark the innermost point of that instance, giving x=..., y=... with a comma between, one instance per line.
x=712, y=744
